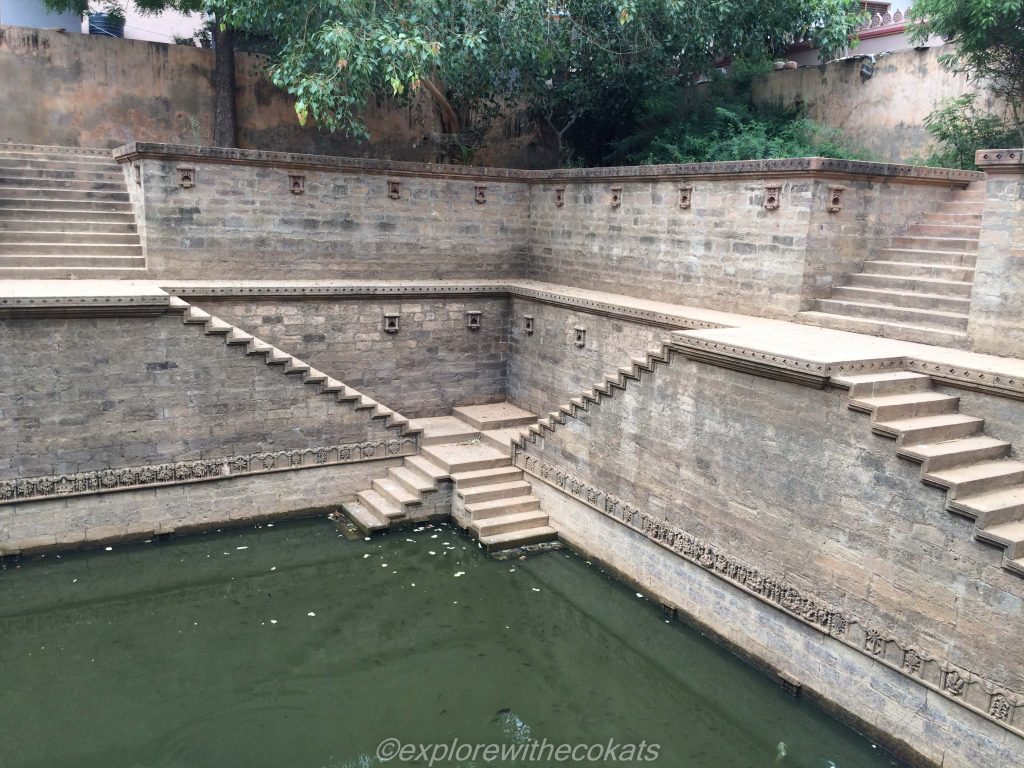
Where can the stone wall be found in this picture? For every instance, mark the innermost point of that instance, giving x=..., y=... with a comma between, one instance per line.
x=726, y=250
x=238, y=221
x=787, y=482
x=83, y=395
x=433, y=363
x=92, y=91
x=546, y=368
x=884, y=114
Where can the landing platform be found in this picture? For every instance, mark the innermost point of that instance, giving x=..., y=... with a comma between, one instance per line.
x=494, y=416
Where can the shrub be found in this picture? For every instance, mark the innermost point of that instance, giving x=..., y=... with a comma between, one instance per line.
x=962, y=129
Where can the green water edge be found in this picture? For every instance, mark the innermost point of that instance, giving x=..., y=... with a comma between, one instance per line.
x=288, y=646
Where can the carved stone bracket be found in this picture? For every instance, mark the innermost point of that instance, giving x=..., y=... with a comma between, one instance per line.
x=171, y=473
x=967, y=688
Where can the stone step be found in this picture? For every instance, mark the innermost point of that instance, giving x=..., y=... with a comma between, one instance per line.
x=115, y=184
x=426, y=468
x=946, y=229
x=872, y=327
x=912, y=299
x=1008, y=535
x=955, y=453
x=36, y=193
x=64, y=204
x=920, y=269
x=395, y=492
x=918, y=243
x=83, y=173
x=932, y=286
x=906, y=405
x=991, y=508
x=502, y=438
x=887, y=383
x=955, y=219
x=71, y=249
x=383, y=509
x=519, y=538
x=67, y=238
x=465, y=457
x=889, y=313
x=65, y=261
x=66, y=229
x=930, y=429
x=73, y=273
x=366, y=521
x=480, y=493
x=518, y=521
x=411, y=480
x=973, y=479
x=438, y=430
x=952, y=258
x=964, y=208
x=479, y=477
x=42, y=160
x=483, y=510
x=70, y=216
x=494, y=416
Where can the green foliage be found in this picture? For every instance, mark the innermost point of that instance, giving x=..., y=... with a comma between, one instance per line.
x=722, y=123
x=582, y=68
x=963, y=130
x=989, y=43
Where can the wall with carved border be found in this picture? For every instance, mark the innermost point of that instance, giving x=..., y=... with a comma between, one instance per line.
x=781, y=485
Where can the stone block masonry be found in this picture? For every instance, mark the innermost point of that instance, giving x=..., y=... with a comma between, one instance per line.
x=432, y=363
x=100, y=393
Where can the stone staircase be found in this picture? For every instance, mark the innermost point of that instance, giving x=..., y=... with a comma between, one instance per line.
x=471, y=448
x=65, y=212
x=618, y=380
x=289, y=365
x=918, y=288
x=981, y=480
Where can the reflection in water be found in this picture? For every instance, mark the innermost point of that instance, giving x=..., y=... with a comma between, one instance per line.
x=289, y=646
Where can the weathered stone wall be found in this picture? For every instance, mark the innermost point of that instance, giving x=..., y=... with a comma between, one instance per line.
x=996, y=320
x=92, y=91
x=82, y=395
x=787, y=481
x=726, y=251
x=243, y=222
x=432, y=364
x=884, y=114
x=546, y=368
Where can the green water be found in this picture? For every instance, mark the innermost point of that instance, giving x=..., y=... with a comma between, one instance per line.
x=290, y=647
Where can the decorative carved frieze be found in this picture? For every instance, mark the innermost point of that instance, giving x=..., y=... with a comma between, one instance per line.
x=971, y=690
x=186, y=177
x=150, y=475
x=296, y=183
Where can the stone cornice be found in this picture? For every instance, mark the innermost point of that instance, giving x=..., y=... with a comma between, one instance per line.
x=78, y=306
x=814, y=167
x=1000, y=160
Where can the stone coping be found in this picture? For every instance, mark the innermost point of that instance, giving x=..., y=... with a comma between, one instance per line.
x=784, y=167
x=1000, y=160
x=53, y=149
x=20, y=297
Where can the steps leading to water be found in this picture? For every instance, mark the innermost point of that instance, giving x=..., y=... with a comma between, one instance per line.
x=982, y=481
x=65, y=212
x=919, y=287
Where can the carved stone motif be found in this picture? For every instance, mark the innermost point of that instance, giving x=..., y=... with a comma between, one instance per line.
x=391, y=323
x=559, y=196
x=473, y=321
x=772, y=195
x=528, y=324
x=685, y=196
x=296, y=184
x=480, y=196
x=581, y=337
x=835, y=199
x=616, y=200
x=186, y=177
x=394, y=189
x=967, y=689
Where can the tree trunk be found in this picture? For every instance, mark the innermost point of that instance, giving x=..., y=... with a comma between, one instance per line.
x=225, y=124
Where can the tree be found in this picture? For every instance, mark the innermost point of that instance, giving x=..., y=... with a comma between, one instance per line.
x=581, y=67
x=225, y=125
x=988, y=39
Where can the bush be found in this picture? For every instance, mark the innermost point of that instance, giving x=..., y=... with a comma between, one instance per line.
x=962, y=130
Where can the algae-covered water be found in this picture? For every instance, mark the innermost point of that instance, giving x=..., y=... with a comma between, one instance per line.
x=288, y=646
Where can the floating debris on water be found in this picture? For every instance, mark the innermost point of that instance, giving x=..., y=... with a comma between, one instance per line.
x=459, y=573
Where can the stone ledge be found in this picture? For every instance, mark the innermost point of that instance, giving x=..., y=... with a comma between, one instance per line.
x=786, y=167
x=1000, y=160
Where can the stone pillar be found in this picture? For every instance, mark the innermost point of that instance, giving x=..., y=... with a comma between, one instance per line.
x=996, y=322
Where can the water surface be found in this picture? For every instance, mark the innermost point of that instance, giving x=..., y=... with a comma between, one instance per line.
x=288, y=646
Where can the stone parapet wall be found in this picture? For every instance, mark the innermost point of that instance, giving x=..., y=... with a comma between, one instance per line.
x=779, y=490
